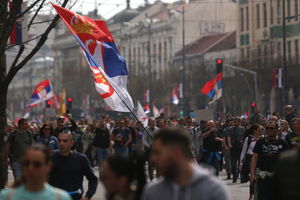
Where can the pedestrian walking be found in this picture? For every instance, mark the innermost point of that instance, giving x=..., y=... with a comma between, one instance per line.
x=294, y=137
x=235, y=143
x=180, y=177
x=124, y=177
x=264, y=158
x=122, y=138
x=87, y=140
x=36, y=164
x=47, y=138
x=148, y=135
x=102, y=143
x=253, y=134
x=17, y=142
x=211, y=146
x=69, y=169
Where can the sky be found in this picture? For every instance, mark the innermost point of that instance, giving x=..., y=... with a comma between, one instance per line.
x=108, y=8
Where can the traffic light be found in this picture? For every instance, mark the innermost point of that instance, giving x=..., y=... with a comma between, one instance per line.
x=219, y=63
x=253, y=104
x=69, y=103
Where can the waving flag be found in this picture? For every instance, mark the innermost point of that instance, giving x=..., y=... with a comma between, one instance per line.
x=141, y=115
x=147, y=96
x=42, y=92
x=277, y=78
x=213, y=88
x=146, y=109
x=174, y=96
x=107, y=66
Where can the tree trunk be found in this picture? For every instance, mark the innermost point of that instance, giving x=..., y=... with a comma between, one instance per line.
x=3, y=117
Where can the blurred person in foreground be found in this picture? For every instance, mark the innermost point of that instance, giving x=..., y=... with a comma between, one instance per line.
x=36, y=164
x=181, y=178
x=70, y=167
x=286, y=181
x=124, y=177
x=264, y=158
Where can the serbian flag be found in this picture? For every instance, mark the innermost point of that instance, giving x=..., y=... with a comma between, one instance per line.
x=213, y=88
x=42, y=92
x=174, y=96
x=277, y=78
x=146, y=109
x=107, y=66
x=19, y=28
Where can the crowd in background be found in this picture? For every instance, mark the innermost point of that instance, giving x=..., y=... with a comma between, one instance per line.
x=247, y=149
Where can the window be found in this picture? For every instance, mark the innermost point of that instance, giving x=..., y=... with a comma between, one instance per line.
x=289, y=48
x=265, y=15
x=278, y=12
x=247, y=18
x=272, y=12
x=242, y=20
x=279, y=49
x=242, y=53
x=159, y=54
x=154, y=54
x=247, y=52
x=297, y=51
x=296, y=10
x=257, y=16
x=165, y=52
x=288, y=9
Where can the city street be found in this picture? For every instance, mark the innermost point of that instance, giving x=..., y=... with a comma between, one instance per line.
x=238, y=191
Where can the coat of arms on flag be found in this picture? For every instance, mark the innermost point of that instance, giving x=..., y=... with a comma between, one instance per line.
x=42, y=92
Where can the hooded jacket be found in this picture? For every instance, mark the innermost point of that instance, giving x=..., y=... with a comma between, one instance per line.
x=202, y=186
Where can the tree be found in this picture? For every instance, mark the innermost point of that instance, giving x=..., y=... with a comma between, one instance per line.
x=8, y=17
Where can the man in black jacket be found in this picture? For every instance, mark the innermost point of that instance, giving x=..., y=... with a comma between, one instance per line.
x=69, y=168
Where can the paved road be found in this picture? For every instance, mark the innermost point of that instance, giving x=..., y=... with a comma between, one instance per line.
x=238, y=191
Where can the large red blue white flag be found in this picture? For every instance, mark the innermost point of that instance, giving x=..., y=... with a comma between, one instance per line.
x=42, y=92
x=108, y=67
x=213, y=88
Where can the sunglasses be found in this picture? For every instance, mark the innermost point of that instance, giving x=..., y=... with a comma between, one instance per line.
x=270, y=128
x=35, y=164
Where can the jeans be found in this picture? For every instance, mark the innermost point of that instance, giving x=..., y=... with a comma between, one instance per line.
x=235, y=162
x=17, y=169
x=212, y=159
x=102, y=155
x=122, y=150
x=227, y=164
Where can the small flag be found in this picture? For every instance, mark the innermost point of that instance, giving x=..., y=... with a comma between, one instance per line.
x=146, y=109
x=19, y=29
x=156, y=112
x=213, y=88
x=141, y=115
x=42, y=92
x=147, y=96
x=245, y=115
x=174, y=96
x=277, y=78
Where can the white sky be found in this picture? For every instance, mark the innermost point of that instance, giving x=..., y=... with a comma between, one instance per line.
x=108, y=8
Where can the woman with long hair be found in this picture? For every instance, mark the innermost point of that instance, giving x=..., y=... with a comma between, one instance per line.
x=253, y=134
x=124, y=177
x=36, y=165
x=46, y=137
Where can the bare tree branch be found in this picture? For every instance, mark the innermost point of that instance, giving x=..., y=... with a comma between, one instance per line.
x=11, y=46
x=13, y=71
x=28, y=9
x=35, y=14
x=8, y=25
x=41, y=22
x=22, y=47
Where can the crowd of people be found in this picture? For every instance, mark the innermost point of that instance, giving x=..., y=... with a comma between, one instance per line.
x=185, y=157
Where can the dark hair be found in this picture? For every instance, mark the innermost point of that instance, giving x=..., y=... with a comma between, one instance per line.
x=43, y=127
x=251, y=130
x=175, y=136
x=274, y=122
x=35, y=147
x=131, y=167
x=21, y=122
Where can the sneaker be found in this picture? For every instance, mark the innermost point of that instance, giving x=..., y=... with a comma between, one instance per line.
x=228, y=176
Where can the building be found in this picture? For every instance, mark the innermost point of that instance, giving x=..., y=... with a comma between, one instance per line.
x=260, y=46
